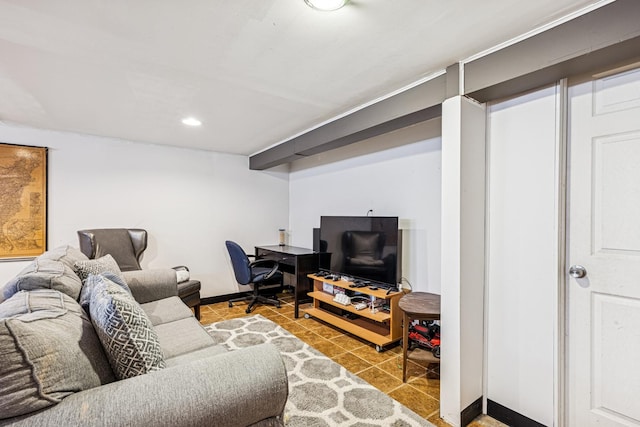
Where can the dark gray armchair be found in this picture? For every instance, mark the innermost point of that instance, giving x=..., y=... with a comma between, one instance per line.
x=126, y=246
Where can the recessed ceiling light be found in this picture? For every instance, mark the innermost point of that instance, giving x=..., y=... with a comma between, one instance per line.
x=326, y=5
x=191, y=121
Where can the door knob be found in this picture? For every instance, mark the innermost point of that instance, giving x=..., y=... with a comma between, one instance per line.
x=577, y=271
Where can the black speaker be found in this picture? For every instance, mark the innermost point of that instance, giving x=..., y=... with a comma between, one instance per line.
x=316, y=240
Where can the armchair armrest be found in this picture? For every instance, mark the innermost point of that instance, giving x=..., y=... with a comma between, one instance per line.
x=152, y=284
x=234, y=389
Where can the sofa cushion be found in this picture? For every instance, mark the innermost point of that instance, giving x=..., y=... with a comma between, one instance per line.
x=125, y=331
x=97, y=266
x=192, y=356
x=48, y=349
x=166, y=310
x=45, y=273
x=182, y=336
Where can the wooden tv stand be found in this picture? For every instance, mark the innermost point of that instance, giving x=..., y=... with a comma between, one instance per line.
x=381, y=328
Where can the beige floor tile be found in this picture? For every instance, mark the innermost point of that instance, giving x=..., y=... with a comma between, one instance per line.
x=328, y=348
x=426, y=385
x=210, y=317
x=351, y=362
x=437, y=421
x=327, y=332
x=486, y=421
x=309, y=337
x=293, y=328
x=348, y=342
x=380, y=379
x=369, y=353
x=420, y=403
x=392, y=366
x=286, y=309
x=270, y=314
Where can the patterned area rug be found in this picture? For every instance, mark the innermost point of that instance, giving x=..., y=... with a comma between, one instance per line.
x=321, y=392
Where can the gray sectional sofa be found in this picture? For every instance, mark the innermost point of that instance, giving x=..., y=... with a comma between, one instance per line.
x=58, y=366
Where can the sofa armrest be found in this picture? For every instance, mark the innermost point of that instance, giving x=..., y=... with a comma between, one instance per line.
x=152, y=284
x=233, y=389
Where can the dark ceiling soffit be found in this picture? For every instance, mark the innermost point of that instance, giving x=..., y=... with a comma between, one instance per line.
x=277, y=155
x=382, y=128
x=597, y=38
x=381, y=117
x=597, y=61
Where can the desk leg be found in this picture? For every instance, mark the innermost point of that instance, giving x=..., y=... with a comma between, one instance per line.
x=303, y=287
x=405, y=345
x=304, y=266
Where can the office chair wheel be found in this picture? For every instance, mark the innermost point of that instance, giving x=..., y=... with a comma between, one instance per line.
x=248, y=310
x=230, y=304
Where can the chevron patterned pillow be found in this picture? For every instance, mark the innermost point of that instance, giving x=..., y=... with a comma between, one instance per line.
x=125, y=331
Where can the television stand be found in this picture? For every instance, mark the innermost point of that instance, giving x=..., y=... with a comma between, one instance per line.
x=381, y=328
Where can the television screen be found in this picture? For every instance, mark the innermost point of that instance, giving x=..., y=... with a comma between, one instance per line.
x=361, y=247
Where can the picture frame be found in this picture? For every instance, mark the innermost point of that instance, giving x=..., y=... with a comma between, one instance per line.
x=23, y=201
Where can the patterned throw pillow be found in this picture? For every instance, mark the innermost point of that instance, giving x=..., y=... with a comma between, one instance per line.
x=125, y=331
x=97, y=266
x=94, y=280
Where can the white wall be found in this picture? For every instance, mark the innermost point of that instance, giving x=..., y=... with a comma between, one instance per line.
x=523, y=254
x=463, y=256
x=189, y=201
x=396, y=174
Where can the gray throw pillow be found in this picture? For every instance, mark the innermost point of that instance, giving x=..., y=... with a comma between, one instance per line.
x=126, y=333
x=49, y=350
x=105, y=264
x=66, y=254
x=45, y=273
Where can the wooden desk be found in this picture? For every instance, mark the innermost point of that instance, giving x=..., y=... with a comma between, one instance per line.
x=297, y=261
x=417, y=306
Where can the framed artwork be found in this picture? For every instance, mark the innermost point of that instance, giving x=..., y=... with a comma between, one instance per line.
x=23, y=201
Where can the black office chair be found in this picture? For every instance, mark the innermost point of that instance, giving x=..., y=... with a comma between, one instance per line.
x=255, y=273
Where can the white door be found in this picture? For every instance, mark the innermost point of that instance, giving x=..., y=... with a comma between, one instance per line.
x=603, y=386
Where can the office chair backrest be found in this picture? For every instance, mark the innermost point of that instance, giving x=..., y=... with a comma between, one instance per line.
x=240, y=262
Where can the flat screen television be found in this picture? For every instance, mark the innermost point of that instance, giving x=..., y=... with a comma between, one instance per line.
x=364, y=248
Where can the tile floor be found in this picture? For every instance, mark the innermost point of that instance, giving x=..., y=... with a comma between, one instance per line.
x=382, y=370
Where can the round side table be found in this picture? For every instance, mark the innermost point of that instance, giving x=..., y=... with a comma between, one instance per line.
x=416, y=306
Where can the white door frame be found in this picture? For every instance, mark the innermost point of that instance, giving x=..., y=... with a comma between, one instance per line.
x=560, y=413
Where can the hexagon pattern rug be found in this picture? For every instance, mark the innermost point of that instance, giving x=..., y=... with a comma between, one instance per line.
x=321, y=392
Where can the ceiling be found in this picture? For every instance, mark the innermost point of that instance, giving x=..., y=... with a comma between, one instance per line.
x=255, y=72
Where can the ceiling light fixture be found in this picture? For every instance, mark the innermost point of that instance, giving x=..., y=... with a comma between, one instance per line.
x=326, y=5
x=191, y=121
